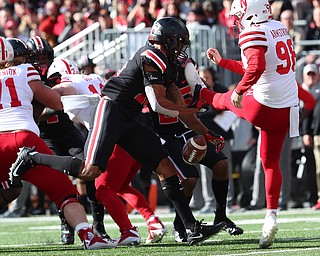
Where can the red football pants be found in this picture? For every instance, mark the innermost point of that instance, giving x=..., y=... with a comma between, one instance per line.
x=115, y=182
x=273, y=124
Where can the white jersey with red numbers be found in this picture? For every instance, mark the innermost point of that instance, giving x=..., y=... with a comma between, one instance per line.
x=81, y=107
x=16, y=111
x=277, y=87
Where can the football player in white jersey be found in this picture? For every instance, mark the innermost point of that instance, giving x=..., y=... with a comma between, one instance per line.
x=267, y=94
x=20, y=84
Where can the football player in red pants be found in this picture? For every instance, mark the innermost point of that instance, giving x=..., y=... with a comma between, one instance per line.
x=266, y=96
x=20, y=83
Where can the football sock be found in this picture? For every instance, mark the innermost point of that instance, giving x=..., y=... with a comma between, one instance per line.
x=66, y=164
x=97, y=211
x=174, y=192
x=220, y=190
x=177, y=220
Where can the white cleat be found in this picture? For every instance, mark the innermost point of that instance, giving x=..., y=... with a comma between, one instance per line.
x=269, y=231
x=156, y=230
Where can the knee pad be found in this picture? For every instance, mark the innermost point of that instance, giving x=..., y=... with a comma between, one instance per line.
x=73, y=198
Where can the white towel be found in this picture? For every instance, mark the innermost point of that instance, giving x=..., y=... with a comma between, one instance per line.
x=79, y=101
x=294, y=121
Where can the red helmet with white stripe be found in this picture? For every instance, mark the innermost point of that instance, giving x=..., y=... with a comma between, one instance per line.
x=63, y=67
x=6, y=50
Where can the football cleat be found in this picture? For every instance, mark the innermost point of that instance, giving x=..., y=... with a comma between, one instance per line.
x=180, y=235
x=201, y=232
x=130, y=237
x=269, y=231
x=92, y=242
x=230, y=227
x=22, y=164
x=156, y=230
x=67, y=232
x=99, y=230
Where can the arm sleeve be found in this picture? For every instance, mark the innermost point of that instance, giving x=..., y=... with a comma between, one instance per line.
x=232, y=65
x=154, y=104
x=256, y=66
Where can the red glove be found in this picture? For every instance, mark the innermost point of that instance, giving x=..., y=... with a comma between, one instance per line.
x=215, y=139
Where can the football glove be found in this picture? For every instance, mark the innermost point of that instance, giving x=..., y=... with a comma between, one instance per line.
x=215, y=139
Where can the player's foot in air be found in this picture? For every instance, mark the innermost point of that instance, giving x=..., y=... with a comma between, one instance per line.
x=196, y=101
x=201, y=232
x=269, y=231
x=22, y=164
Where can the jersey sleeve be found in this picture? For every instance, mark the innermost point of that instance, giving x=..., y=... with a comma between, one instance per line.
x=32, y=73
x=253, y=36
x=154, y=58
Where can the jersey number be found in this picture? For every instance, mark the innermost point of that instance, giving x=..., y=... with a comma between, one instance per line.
x=15, y=102
x=286, y=53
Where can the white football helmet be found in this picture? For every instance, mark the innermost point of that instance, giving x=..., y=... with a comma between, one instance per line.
x=63, y=66
x=248, y=12
x=6, y=50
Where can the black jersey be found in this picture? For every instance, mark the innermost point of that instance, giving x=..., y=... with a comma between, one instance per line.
x=56, y=126
x=163, y=124
x=127, y=87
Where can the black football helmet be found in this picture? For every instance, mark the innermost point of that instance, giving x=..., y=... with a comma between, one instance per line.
x=43, y=54
x=173, y=34
x=20, y=48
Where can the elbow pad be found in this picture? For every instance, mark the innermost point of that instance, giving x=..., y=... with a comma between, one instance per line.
x=154, y=104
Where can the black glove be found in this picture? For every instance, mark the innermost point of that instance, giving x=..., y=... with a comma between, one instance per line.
x=215, y=139
x=53, y=80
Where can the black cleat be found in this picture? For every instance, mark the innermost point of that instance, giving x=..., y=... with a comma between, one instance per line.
x=22, y=164
x=99, y=230
x=231, y=227
x=202, y=232
x=67, y=232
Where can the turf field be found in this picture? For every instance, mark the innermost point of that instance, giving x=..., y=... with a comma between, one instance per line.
x=299, y=234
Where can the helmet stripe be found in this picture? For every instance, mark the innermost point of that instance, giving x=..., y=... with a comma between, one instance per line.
x=38, y=43
x=67, y=66
x=3, y=54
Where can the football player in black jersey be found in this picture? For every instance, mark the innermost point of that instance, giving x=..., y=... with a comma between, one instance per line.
x=147, y=77
x=63, y=137
x=175, y=133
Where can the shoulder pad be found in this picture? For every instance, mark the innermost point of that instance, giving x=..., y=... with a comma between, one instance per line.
x=156, y=58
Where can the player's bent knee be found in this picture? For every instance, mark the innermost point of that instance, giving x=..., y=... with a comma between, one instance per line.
x=72, y=198
x=8, y=195
x=165, y=169
x=220, y=170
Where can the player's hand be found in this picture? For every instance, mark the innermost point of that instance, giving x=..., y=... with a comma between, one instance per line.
x=214, y=55
x=53, y=80
x=236, y=99
x=89, y=173
x=215, y=139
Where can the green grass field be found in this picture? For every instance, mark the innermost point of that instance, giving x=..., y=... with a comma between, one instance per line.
x=299, y=234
